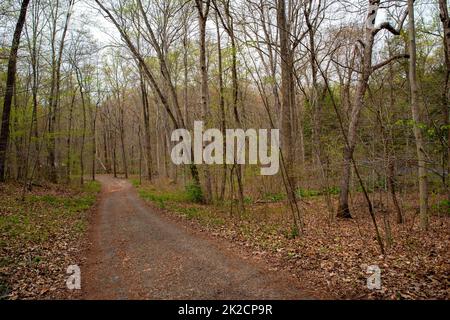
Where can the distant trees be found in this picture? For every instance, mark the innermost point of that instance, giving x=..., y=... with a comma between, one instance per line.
x=51, y=90
x=171, y=106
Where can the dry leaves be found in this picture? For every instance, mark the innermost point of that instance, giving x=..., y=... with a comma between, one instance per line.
x=39, y=238
x=332, y=257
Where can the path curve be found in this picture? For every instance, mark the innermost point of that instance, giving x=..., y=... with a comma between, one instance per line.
x=136, y=253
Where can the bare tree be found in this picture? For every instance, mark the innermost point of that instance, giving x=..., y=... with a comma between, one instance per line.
x=227, y=21
x=367, y=69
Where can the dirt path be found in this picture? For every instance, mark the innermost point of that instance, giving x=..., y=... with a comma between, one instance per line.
x=136, y=253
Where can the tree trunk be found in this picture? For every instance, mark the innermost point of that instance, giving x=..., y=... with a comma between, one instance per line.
x=202, y=20
x=146, y=115
x=358, y=103
x=443, y=6
x=140, y=156
x=94, y=142
x=114, y=155
x=69, y=139
x=83, y=138
x=390, y=151
x=34, y=59
x=106, y=153
x=55, y=90
x=185, y=71
x=235, y=83
x=286, y=91
x=415, y=108
x=122, y=141
x=391, y=186
x=222, y=109
x=10, y=81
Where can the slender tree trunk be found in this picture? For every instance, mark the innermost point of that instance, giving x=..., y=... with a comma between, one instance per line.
x=94, y=143
x=185, y=74
x=55, y=89
x=34, y=59
x=228, y=24
x=286, y=88
x=358, y=103
x=105, y=150
x=122, y=141
x=287, y=94
x=146, y=115
x=415, y=108
x=114, y=155
x=83, y=138
x=222, y=109
x=392, y=189
x=10, y=81
x=202, y=20
x=69, y=139
x=140, y=155
x=390, y=150
x=443, y=6
x=185, y=71
x=235, y=82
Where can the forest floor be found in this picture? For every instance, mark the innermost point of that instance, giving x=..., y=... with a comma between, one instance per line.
x=41, y=237
x=332, y=257
x=161, y=245
x=138, y=253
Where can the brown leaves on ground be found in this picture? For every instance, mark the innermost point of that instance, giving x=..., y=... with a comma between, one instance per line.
x=332, y=256
x=40, y=237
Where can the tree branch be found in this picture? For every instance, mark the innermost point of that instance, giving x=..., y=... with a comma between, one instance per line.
x=387, y=26
x=391, y=59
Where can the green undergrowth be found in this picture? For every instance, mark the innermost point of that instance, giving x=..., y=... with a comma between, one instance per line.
x=37, y=232
x=44, y=212
x=181, y=202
